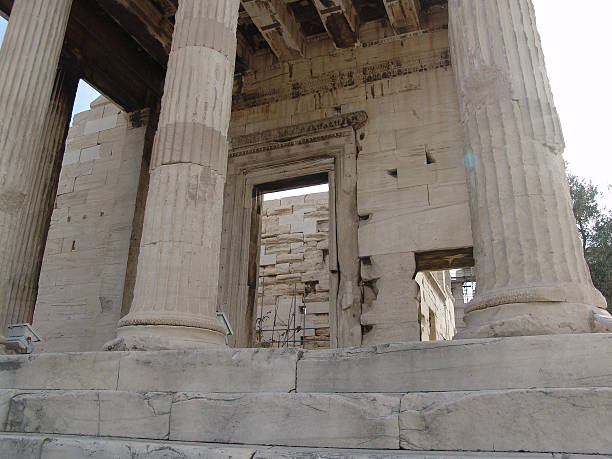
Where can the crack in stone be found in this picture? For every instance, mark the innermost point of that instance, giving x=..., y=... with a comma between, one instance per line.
x=99, y=412
x=118, y=374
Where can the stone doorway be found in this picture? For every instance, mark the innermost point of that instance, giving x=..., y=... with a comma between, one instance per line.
x=244, y=258
x=315, y=152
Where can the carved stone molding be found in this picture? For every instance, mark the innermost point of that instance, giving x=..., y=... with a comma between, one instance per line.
x=291, y=143
x=287, y=135
x=282, y=155
x=252, y=94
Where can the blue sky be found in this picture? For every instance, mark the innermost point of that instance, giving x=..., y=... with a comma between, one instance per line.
x=85, y=95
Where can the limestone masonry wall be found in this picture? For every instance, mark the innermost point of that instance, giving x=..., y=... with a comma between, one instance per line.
x=83, y=270
x=411, y=183
x=294, y=254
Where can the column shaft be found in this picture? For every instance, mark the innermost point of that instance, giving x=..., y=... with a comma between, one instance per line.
x=531, y=274
x=29, y=251
x=32, y=131
x=175, y=294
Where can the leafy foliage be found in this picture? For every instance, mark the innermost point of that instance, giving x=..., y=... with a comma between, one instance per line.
x=599, y=256
x=595, y=230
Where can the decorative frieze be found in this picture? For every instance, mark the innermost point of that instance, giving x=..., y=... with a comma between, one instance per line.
x=356, y=76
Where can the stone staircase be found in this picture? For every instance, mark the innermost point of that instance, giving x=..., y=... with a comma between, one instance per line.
x=504, y=397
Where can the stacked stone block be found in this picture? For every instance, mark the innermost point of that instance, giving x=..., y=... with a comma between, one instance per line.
x=83, y=269
x=411, y=179
x=372, y=402
x=294, y=257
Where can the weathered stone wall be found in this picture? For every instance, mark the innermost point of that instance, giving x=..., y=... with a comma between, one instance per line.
x=411, y=184
x=294, y=254
x=411, y=188
x=83, y=270
x=437, y=314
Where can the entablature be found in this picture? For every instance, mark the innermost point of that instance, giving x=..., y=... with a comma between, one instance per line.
x=121, y=46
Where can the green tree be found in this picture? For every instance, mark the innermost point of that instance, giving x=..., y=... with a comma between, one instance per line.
x=599, y=256
x=595, y=230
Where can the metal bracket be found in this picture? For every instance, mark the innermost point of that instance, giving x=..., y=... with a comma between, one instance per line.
x=21, y=338
x=228, y=326
x=607, y=321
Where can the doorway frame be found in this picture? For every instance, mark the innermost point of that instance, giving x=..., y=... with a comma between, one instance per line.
x=329, y=146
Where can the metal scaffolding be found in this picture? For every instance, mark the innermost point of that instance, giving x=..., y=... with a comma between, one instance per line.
x=291, y=332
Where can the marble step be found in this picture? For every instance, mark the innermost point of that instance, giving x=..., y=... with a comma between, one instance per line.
x=579, y=360
x=38, y=446
x=537, y=420
x=554, y=361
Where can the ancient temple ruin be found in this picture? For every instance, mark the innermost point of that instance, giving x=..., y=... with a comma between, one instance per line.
x=138, y=244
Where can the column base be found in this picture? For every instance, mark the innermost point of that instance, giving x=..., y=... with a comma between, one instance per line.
x=165, y=337
x=532, y=318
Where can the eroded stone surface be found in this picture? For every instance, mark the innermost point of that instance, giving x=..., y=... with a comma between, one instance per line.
x=540, y=420
x=95, y=370
x=494, y=363
x=500, y=363
x=562, y=420
x=137, y=415
x=75, y=412
x=240, y=370
x=328, y=420
x=530, y=269
x=318, y=420
x=20, y=446
x=59, y=447
x=104, y=413
x=5, y=403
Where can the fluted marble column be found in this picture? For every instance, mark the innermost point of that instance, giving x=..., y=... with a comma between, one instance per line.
x=530, y=270
x=175, y=294
x=28, y=253
x=29, y=136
